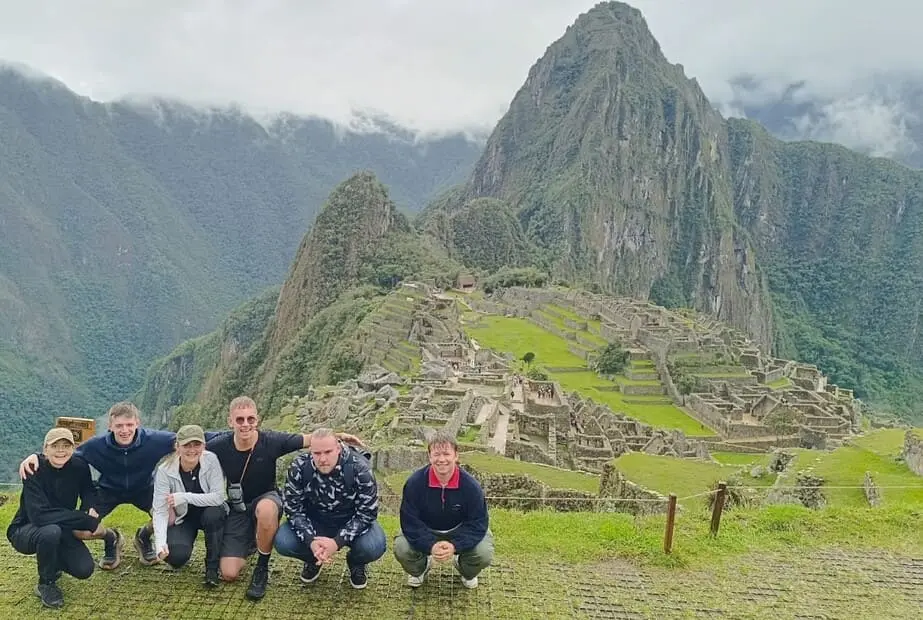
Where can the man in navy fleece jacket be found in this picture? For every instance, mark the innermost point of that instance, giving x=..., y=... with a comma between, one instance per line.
x=443, y=516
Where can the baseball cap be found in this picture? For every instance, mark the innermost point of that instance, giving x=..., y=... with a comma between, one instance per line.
x=58, y=433
x=190, y=432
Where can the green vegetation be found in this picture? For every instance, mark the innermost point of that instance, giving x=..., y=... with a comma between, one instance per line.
x=612, y=360
x=518, y=336
x=875, y=452
x=131, y=228
x=554, y=477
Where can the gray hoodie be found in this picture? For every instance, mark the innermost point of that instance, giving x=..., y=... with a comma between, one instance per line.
x=167, y=480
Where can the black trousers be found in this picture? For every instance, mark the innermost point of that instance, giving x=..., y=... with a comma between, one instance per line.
x=55, y=549
x=181, y=537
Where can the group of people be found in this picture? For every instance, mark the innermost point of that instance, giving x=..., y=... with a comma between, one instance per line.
x=224, y=483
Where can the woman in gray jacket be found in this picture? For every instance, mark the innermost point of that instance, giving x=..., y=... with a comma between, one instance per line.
x=189, y=495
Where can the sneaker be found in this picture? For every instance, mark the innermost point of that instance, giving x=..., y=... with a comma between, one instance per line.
x=258, y=583
x=145, y=547
x=416, y=582
x=112, y=553
x=468, y=583
x=212, y=580
x=357, y=577
x=50, y=594
x=310, y=572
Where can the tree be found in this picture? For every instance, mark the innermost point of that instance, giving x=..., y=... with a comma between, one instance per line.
x=612, y=360
x=529, y=357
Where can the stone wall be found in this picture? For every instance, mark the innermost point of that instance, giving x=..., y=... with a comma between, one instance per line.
x=913, y=452
x=399, y=458
x=621, y=491
x=528, y=451
x=522, y=492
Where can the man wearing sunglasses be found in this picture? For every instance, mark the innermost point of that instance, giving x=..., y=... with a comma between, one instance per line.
x=248, y=457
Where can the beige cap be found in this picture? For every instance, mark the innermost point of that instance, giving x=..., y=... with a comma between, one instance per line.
x=190, y=432
x=57, y=434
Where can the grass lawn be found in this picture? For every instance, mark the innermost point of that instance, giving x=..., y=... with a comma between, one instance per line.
x=517, y=336
x=547, y=565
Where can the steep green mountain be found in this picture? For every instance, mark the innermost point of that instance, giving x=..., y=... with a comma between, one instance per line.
x=128, y=228
x=278, y=345
x=616, y=164
x=483, y=233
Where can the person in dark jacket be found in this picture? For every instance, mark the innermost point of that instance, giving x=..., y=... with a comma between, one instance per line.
x=125, y=458
x=331, y=501
x=443, y=516
x=48, y=523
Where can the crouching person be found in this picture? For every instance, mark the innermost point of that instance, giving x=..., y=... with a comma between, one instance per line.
x=443, y=516
x=189, y=495
x=48, y=523
x=331, y=501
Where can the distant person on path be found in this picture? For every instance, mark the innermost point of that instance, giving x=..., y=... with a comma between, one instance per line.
x=443, y=516
x=189, y=495
x=125, y=458
x=331, y=502
x=48, y=523
x=248, y=458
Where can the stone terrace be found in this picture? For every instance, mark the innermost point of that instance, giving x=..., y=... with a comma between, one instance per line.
x=733, y=394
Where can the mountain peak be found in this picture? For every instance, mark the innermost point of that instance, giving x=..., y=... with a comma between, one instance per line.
x=354, y=222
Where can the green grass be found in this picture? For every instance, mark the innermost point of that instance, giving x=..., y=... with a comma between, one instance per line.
x=684, y=477
x=543, y=564
x=518, y=336
x=843, y=467
x=554, y=477
x=739, y=458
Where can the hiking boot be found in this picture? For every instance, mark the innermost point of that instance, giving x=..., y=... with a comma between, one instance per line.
x=50, y=594
x=112, y=552
x=145, y=547
x=310, y=572
x=416, y=582
x=357, y=577
x=212, y=580
x=468, y=583
x=258, y=582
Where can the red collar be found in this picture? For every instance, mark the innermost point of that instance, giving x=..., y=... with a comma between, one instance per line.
x=453, y=481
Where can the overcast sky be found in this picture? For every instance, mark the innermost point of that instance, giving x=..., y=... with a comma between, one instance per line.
x=432, y=64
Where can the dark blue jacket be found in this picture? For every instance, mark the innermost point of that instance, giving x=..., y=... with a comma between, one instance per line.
x=130, y=469
x=459, y=506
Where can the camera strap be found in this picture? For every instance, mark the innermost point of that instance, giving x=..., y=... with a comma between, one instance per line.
x=241, y=481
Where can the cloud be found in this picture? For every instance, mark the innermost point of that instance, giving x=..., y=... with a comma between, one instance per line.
x=432, y=65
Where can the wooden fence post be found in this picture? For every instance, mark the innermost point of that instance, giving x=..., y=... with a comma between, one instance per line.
x=671, y=521
x=718, y=507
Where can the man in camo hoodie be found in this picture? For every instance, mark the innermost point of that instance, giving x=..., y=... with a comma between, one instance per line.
x=331, y=501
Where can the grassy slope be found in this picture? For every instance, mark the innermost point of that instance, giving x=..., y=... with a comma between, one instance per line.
x=843, y=467
x=517, y=336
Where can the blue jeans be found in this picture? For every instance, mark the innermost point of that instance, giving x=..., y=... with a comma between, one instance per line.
x=366, y=548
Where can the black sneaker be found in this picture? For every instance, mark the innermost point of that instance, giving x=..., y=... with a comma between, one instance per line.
x=50, y=594
x=212, y=580
x=357, y=577
x=145, y=547
x=310, y=572
x=112, y=552
x=258, y=582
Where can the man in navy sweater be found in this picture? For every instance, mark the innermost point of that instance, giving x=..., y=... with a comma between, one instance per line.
x=443, y=516
x=125, y=458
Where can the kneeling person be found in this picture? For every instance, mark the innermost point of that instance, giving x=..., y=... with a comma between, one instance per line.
x=331, y=501
x=443, y=516
x=48, y=524
x=189, y=495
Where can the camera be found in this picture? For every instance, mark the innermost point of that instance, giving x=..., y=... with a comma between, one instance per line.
x=236, y=497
